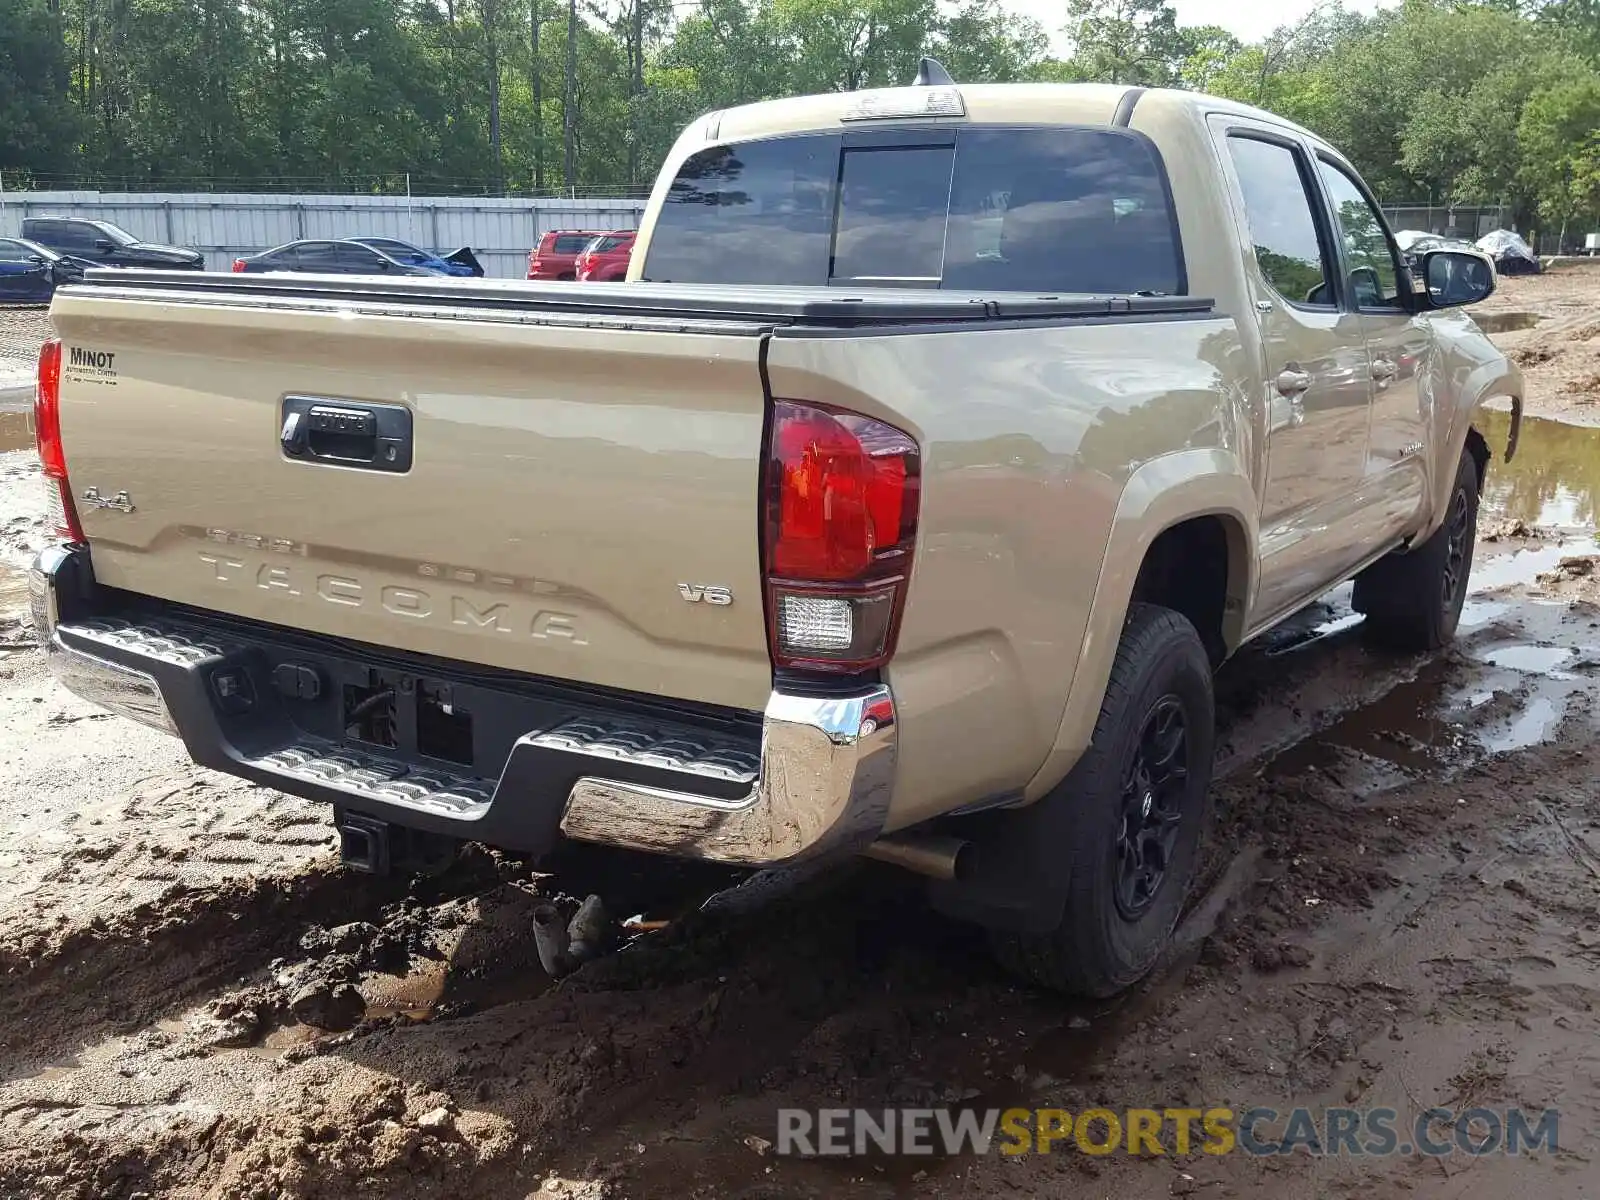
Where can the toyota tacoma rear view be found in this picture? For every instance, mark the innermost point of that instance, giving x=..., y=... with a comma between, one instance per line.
x=941, y=443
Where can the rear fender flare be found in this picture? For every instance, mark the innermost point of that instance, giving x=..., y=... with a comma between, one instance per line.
x=1162, y=493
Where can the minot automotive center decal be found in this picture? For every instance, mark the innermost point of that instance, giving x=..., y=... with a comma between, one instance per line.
x=84, y=365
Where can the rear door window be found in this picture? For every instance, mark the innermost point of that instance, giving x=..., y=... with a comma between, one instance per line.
x=70, y=235
x=1045, y=210
x=316, y=256
x=601, y=245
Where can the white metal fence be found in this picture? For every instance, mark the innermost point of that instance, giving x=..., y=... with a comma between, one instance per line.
x=500, y=231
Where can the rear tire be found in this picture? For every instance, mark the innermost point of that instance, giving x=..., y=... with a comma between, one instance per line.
x=1138, y=805
x=1413, y=601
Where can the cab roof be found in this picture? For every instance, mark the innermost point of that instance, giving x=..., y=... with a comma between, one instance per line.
x=983, y=103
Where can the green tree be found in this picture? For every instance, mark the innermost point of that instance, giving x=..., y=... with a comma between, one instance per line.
x=982, y=42
x=38, y=129
x=1560, y=134
x=1126, y=41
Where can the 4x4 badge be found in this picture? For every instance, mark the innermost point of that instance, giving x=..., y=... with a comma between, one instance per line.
x=121, y=502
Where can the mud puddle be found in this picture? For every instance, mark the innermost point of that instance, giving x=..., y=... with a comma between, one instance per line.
x=1507, y=322
x=1554, y=479
x=1525, y=647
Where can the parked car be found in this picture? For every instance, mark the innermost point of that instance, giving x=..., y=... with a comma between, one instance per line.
x=556, y=255
x=605, y=260
x=31, y=272
x=322, y=257
x=925, y=551
x=460, y=262
x=107, y=245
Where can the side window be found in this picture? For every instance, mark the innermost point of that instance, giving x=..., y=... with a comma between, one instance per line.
x=359, y=259
x=316, y=257
x=1282, y=229
x=1374, y=276
x=13, y=252
x=78, y=236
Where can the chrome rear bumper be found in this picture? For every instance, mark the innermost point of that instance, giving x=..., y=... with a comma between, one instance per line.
x=827, y=770
x=819, y=783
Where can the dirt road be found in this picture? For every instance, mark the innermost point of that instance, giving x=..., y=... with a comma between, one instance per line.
x=1402, y=909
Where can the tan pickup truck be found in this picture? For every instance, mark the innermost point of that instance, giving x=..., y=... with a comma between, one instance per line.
x=941, y=443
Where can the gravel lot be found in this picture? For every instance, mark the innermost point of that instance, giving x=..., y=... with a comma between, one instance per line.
x=21, y=331
x=1402, y=908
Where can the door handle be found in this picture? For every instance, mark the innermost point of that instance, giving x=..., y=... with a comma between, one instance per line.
x=373, y=437
x=1292, y=381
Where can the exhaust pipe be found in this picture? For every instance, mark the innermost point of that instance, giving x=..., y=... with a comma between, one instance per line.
x=927, y=854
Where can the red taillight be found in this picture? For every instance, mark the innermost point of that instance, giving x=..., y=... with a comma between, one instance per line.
x=63, y=514
x=238, y=266
x=842, y=494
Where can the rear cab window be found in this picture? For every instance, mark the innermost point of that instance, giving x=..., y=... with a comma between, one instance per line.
x=982, y=208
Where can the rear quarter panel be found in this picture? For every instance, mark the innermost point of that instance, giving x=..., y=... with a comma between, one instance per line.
x=1031, y=438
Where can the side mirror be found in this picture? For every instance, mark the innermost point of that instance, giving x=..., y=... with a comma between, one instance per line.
x=1455, y=277
x=37, y=260
x=104, y=245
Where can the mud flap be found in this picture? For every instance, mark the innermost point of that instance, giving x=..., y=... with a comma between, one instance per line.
x=1516, y=428
x=1010, y=878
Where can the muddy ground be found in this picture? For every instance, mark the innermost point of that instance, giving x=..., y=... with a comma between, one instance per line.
x=1401, y=907
x=1549, y=326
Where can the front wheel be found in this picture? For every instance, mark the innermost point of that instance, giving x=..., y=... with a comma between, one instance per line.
x=1413, y=601
x=1137, y=803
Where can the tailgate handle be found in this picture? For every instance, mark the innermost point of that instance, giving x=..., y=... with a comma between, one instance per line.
x=372, y=437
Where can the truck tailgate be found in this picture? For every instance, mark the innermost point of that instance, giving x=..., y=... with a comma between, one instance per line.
x=575, y=486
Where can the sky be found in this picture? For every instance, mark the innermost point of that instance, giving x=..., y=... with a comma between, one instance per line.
x=1248, y=20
